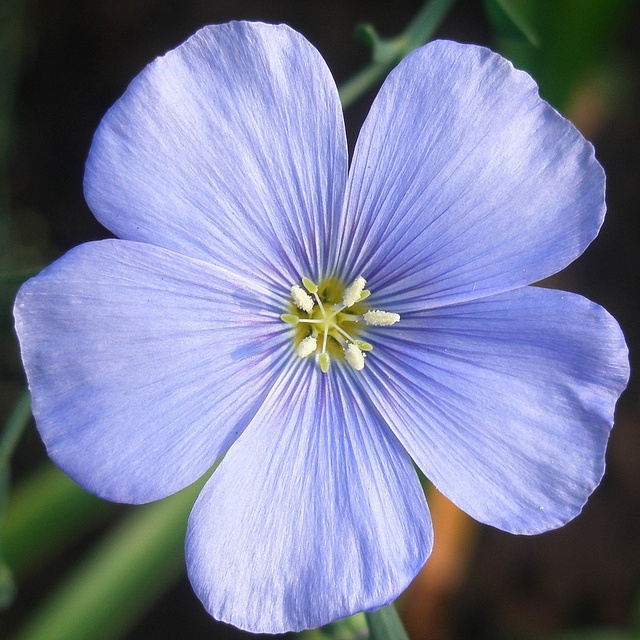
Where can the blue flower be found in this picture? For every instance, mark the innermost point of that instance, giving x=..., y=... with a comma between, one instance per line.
x=328, y=327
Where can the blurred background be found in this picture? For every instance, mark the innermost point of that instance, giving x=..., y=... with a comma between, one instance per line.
x=62, y=64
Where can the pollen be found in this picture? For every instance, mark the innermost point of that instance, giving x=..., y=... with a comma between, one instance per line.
x=354, y=357
x=381, y=318
x=328, y=320
x=307, y=346
x=301, y=298
x=353, y=292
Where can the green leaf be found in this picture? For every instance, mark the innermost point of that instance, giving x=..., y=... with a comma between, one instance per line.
x=385, y=624
x=509, y=20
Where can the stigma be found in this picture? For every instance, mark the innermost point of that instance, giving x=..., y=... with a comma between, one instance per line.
x=329, y=320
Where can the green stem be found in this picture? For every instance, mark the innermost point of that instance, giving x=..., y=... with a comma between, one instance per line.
x=418, y=31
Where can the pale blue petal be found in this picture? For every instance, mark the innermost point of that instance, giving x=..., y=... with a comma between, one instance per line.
x=144, y=366
x=314, y=514
x=505, y=403
x=230, y=148
x=465, y=183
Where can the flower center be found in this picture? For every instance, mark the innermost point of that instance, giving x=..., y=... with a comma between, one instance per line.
x=329, y=320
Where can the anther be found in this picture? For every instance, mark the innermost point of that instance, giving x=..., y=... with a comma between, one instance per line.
x=307, y=346
x=323, y=359
x=353, y=292
x=381, y=318
x=309, y=285
x=301, y=298
x=354, y=357
x=327, y=325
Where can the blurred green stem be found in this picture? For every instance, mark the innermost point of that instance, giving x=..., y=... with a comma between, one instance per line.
x=385, y=624
x=418, y=31
x=14, y=427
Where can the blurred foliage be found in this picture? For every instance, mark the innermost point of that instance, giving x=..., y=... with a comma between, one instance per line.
x=9, y=438
x=11, y=17
x=7, y=583
x=122, y=576
x=510, y=22
x=571, y=38
x=47, y=514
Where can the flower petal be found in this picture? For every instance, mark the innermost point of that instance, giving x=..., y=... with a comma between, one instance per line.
x=464, y=183
x=230, y=148
x=505, y=403
x=314, y=514
x=143, y=365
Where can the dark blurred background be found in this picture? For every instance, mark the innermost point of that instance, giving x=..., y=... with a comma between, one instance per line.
x=65, y=62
